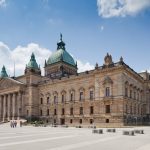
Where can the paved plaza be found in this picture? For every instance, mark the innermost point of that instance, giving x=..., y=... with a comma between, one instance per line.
x=50, y=138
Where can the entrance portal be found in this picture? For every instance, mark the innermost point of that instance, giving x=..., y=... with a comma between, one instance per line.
x=62, y=121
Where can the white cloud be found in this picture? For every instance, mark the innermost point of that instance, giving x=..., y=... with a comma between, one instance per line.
x=21, y=56
x=84, y=66
x=116, y=8
x=2, y=3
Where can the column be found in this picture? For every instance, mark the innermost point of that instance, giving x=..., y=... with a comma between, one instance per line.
x=13, y=106
x=19, y=105
x=0, y=108
x=4, y=108
x=8, y=107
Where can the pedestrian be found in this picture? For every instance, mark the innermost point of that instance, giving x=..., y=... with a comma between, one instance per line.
x=15, y=123
x=11, y=124
x=20, y=123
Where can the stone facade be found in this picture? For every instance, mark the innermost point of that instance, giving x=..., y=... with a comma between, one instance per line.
x=110, y=95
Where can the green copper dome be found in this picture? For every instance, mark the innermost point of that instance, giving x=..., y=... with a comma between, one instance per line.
x=32, y=63
x=61, y=55
x=3, y=72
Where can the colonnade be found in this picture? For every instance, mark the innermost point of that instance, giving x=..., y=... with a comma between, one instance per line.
x=10, y=106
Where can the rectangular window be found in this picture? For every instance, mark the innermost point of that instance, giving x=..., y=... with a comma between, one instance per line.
x=47, y=112
x=80, y=121
x=71, y=97
x=91, y=110
x=107, y=108
x=48, y=101
x=91, y=95
x=130, y=93
x=126, y=92
x=55, y=112
x=107, y=91
x=41, y=100
x=81, y=110
x=71, y=121
x=71, y=111
x=63, y=111
x=134, y=95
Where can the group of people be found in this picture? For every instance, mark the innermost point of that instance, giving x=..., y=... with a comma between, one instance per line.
x=13, y=124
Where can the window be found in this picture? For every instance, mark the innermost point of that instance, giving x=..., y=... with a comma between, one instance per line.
x=48, y=100
x=71, y=97
x=91, y=95
x=91, y=110
x=71, y=111
x=138, y=96
x=126, y=92
x=47, y=112
x=107, y=120
x=80, y=121
x=130, y=93
x=41, y=112
x=27, y=112
x=107, y=108
x=134, y=95
x=91, y=121
x=81, y=110
x=63, y=98
x=55, y=99
x=71, y=121
x=81, y=96
x=55, y=112
x=107, y=91
x=63, y=111
x=41, y=100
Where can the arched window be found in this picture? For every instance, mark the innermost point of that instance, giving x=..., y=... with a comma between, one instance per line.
x=81, y=94
x=55, y=94
x=63, y=96
x=72, y=95
x=108, y=86
x=107, y=91
x=91, y=93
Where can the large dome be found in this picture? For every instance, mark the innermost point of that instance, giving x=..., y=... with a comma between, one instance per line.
x=61, y=55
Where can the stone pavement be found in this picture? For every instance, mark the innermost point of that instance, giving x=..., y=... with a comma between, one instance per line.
x=50, y=138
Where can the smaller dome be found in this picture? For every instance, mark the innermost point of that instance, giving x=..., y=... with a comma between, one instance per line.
x=3, y=72
x=32, y=63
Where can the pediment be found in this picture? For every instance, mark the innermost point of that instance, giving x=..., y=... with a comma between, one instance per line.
x=9, y=83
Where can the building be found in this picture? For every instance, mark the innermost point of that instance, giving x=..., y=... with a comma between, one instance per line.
x=112, y=94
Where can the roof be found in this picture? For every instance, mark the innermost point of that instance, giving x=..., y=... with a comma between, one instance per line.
x=32, y=63
x=61, y=55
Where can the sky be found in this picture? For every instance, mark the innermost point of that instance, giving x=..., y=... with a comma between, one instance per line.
x=90, y=29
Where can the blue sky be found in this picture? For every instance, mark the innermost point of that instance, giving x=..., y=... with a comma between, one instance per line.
x=89, y=28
